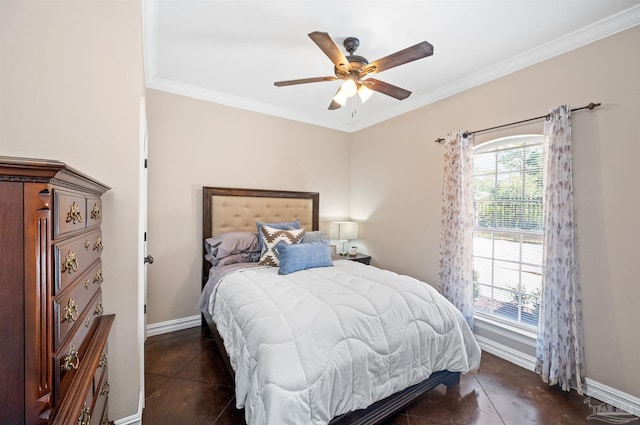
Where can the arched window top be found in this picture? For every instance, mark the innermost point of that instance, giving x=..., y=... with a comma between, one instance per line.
x=508, y=143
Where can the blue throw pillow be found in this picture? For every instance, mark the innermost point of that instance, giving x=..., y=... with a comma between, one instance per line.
x=304, y=256
x=286, y=225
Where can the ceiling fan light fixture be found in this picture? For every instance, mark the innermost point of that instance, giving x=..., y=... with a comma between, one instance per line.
x=364, y=93
x=340, y=99
x=348, y=88
x=353, y=68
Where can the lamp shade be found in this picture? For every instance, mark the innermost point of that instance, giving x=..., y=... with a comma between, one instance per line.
x=340, y=98
x=348, y=88
x=343, y=230
x=365, y=93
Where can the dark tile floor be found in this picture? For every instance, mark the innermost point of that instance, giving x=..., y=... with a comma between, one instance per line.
x=186, y=383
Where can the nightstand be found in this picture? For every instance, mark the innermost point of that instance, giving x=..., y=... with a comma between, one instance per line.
x=360, y=258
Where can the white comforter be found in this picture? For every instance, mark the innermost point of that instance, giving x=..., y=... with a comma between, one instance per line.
x=314, y=344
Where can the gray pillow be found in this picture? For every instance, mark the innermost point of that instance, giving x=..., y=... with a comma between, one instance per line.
x=245, y=257
x=226, y=244
x=315, y=236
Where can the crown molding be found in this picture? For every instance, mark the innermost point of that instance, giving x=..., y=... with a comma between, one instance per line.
x=586, y=35
x=188, y=90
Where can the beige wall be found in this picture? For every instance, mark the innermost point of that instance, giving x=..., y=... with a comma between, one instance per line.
x=70, y=81
x=70, y=87
x=401, y=205
x=193, y=143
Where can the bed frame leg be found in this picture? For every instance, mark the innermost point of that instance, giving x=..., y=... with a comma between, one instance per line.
x=452, y=380
x=204, y=327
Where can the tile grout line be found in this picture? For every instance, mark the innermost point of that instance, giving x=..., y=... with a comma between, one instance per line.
x=490, y=400
x=184, y=365
x=223, y=410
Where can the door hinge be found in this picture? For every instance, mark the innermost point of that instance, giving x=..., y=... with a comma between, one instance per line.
x=145, y=163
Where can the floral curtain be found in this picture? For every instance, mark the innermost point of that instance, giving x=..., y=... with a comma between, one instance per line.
x=559, y=353
x=456, y=231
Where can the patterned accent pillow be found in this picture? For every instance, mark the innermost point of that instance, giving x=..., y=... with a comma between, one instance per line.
x=272, y=237
x=284, y=225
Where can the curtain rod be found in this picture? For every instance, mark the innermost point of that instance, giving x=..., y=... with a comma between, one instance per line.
x=590, y=107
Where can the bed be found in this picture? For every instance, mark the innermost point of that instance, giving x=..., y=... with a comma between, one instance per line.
x=275, y=331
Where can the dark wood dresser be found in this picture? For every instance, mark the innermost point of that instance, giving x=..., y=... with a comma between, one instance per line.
x=53, y=342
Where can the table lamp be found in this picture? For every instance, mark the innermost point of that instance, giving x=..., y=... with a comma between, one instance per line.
x=343, y=231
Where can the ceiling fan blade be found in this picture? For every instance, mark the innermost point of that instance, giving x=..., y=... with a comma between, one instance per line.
x=334, y=105
x=303, y=81
x=386, y=88
x=410, y=54
x=331, y=49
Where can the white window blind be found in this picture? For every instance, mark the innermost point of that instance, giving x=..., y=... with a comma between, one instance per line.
x=507, y=237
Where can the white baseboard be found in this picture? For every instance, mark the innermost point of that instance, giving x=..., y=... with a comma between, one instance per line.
x=613, y=397
x=507, y=353
x=604, y=393
x=173, y=325
x=129, y=420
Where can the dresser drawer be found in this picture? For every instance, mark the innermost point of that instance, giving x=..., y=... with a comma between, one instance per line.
x=69, y=356
x=74, y=256
x=82, y=389
x=84, y=415
x=100, y=397
x=105, y=416
x=69, y=212
x=69, y=306
x=101, y=369
x=94, y=211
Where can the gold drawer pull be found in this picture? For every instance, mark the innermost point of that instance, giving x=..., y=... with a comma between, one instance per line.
x=70, y=264
x=85, y=417
x=86, y=322
x=86, y=284
x=86, y=245
x=98, y=277
x=95, y=212
x=98, y=245
x=99, y=309
x=105, y=389
x=72, y=360
x=103, y=360
x=74, y=214
x=105, y=421
x=70, y=311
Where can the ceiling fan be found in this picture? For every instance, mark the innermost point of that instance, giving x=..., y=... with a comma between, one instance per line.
x=354, y=68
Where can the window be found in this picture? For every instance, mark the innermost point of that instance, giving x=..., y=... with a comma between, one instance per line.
x=507, y=229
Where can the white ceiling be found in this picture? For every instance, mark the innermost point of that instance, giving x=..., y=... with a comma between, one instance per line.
x=231, y=52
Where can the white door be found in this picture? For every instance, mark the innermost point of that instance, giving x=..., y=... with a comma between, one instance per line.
x=142, y=245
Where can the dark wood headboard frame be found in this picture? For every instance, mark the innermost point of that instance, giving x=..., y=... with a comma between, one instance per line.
x=207, y=221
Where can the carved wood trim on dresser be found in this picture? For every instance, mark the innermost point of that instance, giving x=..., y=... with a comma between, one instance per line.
x=54, y=335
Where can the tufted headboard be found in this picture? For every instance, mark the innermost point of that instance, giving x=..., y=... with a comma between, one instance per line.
x=237, y=210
